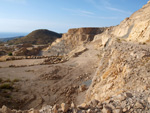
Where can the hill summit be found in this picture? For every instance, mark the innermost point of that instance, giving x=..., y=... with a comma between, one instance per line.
x=40, y=36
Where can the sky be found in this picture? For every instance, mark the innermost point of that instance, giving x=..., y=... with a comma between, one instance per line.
x=60, y=15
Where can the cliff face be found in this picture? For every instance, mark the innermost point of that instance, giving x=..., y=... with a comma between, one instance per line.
x=135, y=28
x=72, y=39
x=124, y=66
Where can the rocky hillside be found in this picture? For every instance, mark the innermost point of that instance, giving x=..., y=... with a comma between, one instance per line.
x=123, y=72
x=73, y=39
x=41, y=36
x=135, y=28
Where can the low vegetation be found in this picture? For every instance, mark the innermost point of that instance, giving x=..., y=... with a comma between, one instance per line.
x=10, y=54
x=6, y=86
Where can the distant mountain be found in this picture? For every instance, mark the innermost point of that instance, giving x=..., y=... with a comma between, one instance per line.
x=41, y=36
x=10, y=38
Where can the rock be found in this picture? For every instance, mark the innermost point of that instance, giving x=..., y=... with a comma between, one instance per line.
x=96, y=110
x=106, y=109
x=138, y=105
x=82, y=88
x=128, y=95
x=64, y=107
x=89, y=111
x=123, y=104
x=5, y=109
x=55, y=108
x=117, y=111
x=148, y=99
x=121, y=97
x=124, y=110
x=94, y=102
x=73, y=105
x=83, y=106
x=46, y=109
x=34, y=111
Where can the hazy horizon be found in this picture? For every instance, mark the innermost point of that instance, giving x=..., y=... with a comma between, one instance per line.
x=11, y=34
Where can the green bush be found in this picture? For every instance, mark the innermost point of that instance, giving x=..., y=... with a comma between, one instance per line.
x=10, y=54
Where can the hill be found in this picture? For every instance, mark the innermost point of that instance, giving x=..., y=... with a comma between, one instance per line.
x=41, y=36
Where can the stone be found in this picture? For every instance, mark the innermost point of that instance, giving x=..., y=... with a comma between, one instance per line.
x=82, y=88
x=123, y=104
x=106, y=109
x=73, y=105
x=148, y=100
x=117, y=111
x=55, y=108
x=34, y=111
x=64, y=107
x=89, y=111
x=94, y=102
x=46, y=109
x=138, y=105
x=128, y=95
x=124, y=110
x=96, y=110
x=83, y=106
x=5, y=109
x=121, y=97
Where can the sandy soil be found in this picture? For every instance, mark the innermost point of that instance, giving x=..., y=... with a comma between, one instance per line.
x=40, y=85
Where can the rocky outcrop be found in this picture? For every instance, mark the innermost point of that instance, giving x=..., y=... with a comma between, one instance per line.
x=124, y=65
x=120, y=70
x=123, y=70
x=135, y=28
x=72, y=39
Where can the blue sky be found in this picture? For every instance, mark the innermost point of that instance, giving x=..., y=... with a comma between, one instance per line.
x=61, y=15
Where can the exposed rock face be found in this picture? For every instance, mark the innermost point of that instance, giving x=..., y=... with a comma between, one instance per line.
x=121, y=69
x=135, y=28
x=124, y=66
x=72, y=39
x=86, y=31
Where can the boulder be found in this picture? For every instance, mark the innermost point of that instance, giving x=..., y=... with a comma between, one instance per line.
x=64, y=107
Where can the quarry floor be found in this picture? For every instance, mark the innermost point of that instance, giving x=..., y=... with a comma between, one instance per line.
x=33, y=85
